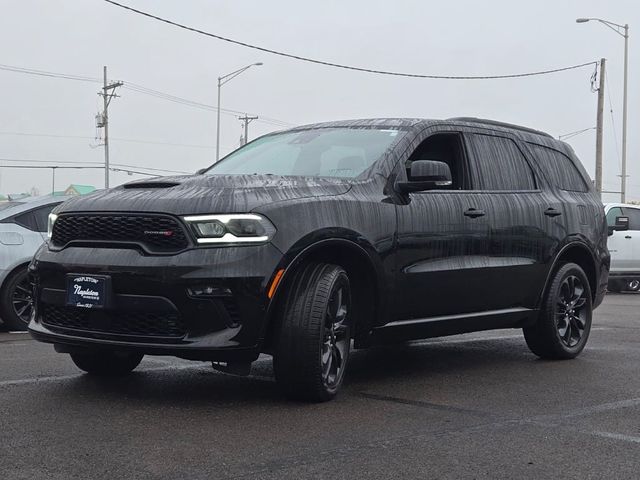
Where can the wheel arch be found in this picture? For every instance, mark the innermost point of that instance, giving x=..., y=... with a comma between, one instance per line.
x=580, y=254
x=12, y=269
x=361, y=263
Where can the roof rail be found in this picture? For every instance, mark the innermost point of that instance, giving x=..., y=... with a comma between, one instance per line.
x=495, y=123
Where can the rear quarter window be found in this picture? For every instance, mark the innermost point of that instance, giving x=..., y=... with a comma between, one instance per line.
x=559, y=168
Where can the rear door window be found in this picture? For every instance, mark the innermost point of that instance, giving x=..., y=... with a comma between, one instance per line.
x=498, y=164
x=559, y=168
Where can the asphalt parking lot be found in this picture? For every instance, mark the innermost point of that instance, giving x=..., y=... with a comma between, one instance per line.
x=471, y=406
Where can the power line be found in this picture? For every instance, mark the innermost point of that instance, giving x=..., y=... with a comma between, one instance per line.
x=115, y=139
x=343, y=66
x=192, y=103
x=56, y=167
x=139, y=89
x=613, y=123
x=47, y=167
x=152, y=169
x=567, y=136
x=49, y=161
x=44, y=73
x=73, y=162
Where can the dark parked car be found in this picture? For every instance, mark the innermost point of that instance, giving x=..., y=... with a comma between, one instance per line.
x=304, y=240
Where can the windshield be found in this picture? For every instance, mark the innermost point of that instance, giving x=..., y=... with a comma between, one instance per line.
x=322, y=152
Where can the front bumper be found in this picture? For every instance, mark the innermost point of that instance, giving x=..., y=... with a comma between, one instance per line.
x=160, y=304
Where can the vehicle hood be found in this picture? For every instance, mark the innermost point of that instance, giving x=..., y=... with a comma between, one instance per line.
x=201, y=194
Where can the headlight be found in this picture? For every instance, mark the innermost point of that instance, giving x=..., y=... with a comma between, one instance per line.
x=52, y=219
x=231, y=228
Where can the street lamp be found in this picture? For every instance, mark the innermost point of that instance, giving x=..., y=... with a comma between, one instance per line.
x=623, y=31
x=221, y=81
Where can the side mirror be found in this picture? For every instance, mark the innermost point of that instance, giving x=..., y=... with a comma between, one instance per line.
x=426, y=175
x=201, y=171
x=622, y=223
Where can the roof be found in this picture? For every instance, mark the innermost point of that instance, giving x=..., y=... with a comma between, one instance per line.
x=414, y=122
x=29, y=203
x=495, y=123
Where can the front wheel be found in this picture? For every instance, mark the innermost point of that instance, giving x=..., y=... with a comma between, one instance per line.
x=563, y=326
x=314, y=334
x=107, y=364
x=16, y=300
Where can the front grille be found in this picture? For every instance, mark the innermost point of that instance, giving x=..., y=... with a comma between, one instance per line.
x=155, y=233
x=145, y=324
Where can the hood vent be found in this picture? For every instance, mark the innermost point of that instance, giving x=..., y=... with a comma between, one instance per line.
x=150, y=185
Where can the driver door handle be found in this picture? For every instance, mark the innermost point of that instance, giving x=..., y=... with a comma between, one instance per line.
x=474, y=213
x=552, y=212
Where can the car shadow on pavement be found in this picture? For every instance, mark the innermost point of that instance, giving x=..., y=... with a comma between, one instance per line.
x=424, y=359
x=198, y=385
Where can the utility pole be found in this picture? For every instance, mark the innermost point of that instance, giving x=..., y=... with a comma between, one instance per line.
x=599, y=123
x=623, y=183
x=53, y=180
x=623, y=31
x=247, y=120
x=107, y=95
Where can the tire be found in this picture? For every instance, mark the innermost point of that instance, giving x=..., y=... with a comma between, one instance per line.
x=563, y=327
x=314, y=334
x=107, y=364
x=16, y=301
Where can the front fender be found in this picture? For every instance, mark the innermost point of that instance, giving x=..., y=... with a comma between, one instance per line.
x=337, y=242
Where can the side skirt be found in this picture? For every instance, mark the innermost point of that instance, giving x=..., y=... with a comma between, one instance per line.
x=452, y=325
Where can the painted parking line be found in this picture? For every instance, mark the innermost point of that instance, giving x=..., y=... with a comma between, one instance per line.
x=59, y=378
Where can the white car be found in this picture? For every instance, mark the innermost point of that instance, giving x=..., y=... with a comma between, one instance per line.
x=23, y=228
x=624, y=245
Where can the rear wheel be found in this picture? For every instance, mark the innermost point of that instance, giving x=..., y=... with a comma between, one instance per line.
x=563, y=327
x=16, y=300
x=314, y=334
x=107, y=364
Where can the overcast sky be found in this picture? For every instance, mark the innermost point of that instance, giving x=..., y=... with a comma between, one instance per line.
x=463, y=37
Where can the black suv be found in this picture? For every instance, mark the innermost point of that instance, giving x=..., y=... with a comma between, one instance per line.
x=301, y=241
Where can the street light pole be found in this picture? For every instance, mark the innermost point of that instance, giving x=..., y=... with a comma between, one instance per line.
x=619, y=29
x=221, y=81
x=623, y=182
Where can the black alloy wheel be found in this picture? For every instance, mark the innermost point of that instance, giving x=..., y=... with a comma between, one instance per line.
x=16, y=300
x=336, y=340
x=570, y=311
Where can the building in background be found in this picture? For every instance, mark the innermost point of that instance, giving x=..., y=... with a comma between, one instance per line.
x=73, y=189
